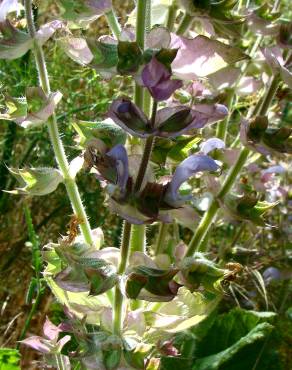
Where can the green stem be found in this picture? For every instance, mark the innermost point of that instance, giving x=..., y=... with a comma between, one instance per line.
x=203, y=228
x=31, y=314
x=113, y=23
x=138, y=239
x=148, y=20
x=269, y=96
x=119, y=299
x=140, y=39
x=222, y=126
x=160, y=246
x=209, y=216
x=171, y=16
x=125, y=247
x=57, y=144
x=60, y=362
x=184, y=24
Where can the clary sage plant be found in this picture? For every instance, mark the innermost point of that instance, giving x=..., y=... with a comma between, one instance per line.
x=168, y=154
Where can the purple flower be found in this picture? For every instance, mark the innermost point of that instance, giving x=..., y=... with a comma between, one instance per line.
x=49, y=343
x=119, y=158
x=129, y=117
x=157, y=78
x=187, y=168
x=149, y=204
x=170, y=121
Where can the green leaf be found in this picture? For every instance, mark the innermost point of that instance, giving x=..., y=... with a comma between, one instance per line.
x=36, y=181
x=229, y=341
x=233, y=357
x=33, y=110
x=9, y=359
x=107, y=131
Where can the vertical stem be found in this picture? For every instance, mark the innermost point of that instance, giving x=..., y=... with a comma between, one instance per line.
x=138, y=238
x=184, y=24
x=113, y=23
x=269, y=96
x=57, y=144
x=221, y=131
x=119, y=299
x=60, y=362
x=161, y=238
x=144, y=163
x=125, y=247
x=171, y=17
x=202, y=228
x=140, y=38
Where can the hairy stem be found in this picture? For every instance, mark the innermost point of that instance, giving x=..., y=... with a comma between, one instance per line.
x=57, y=144
x=171, y=16
x=209, y=216
x=222, y=126
x=140, y=38
x=160, y=246
x=184, y=24
x=113, y=23
x=118, y=301
x=126, y=247
x=138, y=238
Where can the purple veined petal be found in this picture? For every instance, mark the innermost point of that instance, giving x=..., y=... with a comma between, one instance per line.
x=13, y=43
x=37, y=343
x=224, y=78
x=187, y=168
x=201, y=56
x=100, y=6
x=47, y=30
x=164, y=90
x=157, y=78
x=230, y=156
x=120, y=156
x=175, y=121
x=109, y=254
x=273, y=56
x=154, y=72
x=261, y=26
x=275, y=60
x=65, y=281
x=50, y=330
x=158, y=38
x=127, y=34
x=135, y=322
x=128, y=213
x=214, y=112
x=248, y=85
x=129, y=117
x=186, y=216
x=77, y=49
x=211, y=144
